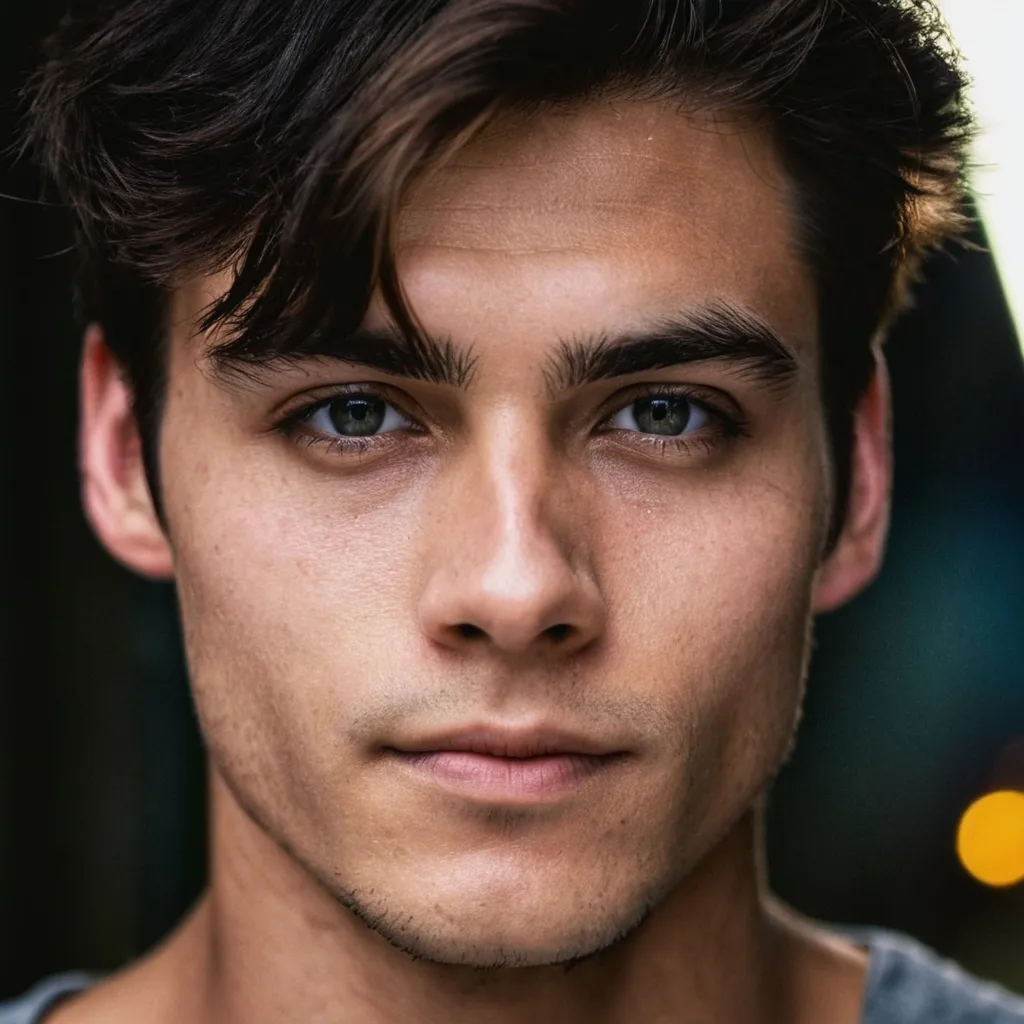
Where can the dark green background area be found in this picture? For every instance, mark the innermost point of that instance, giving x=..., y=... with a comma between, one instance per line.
x=916, y=694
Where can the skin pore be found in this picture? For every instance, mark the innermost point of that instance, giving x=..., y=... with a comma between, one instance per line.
x=539, y=542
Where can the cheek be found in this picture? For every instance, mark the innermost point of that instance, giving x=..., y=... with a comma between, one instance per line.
x=714, y=597
x=720, y=560
x=292, y=599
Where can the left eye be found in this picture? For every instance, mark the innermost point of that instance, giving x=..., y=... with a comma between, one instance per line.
x=356, y=416
x=662, y=415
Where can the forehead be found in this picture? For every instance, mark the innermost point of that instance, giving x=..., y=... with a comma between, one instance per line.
x=638, y=205
x=594, y=220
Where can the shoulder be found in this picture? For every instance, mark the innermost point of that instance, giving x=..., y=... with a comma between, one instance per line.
x=909, y=984
x=44, y=996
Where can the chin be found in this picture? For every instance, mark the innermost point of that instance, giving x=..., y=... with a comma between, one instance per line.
x=494, y=948
x=489, y=926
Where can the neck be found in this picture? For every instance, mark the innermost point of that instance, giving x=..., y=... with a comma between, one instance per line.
x=268, y=945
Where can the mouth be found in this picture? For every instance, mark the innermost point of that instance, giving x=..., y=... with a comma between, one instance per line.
x=507, y=766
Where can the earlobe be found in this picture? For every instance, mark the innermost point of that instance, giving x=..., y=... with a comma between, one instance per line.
x=855, y=559
x=115, y=492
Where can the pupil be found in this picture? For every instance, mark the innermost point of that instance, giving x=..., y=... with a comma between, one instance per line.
x=357, y=417
x=666, y=416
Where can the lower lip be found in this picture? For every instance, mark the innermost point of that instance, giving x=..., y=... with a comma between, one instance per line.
x=507, y=779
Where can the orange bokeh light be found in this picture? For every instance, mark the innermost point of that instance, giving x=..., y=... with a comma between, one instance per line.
x=990, y=840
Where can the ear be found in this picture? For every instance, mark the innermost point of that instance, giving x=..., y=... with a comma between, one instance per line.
x=114, y=487
x=855, y=559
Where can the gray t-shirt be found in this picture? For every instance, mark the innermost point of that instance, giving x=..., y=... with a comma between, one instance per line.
x=907, y=984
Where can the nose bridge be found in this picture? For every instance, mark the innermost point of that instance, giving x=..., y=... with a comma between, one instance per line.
x=518, y=484
x=512, y=567
x=512, y=540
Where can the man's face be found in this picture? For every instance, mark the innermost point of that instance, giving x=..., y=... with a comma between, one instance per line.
x=387, y=583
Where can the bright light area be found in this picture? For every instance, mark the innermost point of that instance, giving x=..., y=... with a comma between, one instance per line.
x=988, y=32
x=990, y=840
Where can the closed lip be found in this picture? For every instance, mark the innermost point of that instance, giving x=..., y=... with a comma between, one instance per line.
x=498, y=741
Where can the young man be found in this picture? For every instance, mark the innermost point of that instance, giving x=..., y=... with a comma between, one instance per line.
x=499, y=381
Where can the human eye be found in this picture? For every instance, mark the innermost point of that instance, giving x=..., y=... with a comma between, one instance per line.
x=350, y=421
x=676, y=418
x=662, y=415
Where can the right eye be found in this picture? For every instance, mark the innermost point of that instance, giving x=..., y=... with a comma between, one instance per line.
x=662, y=415
x=354, y=415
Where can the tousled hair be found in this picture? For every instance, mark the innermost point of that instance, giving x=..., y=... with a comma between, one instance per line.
x=278, y=138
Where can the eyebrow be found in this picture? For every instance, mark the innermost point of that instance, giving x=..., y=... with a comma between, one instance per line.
x=718, y=331
x=430, y=359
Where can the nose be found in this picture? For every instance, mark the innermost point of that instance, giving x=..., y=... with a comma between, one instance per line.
x=508, y=566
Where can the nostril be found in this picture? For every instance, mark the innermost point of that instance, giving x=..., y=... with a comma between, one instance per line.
x=468, y=631
x=559, y=631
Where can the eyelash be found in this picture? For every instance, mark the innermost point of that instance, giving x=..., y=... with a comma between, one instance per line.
x=728, y=425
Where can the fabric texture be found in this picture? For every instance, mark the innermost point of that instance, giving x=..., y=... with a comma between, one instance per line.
x=906, y=984
x=40, y=999
x=909, y=984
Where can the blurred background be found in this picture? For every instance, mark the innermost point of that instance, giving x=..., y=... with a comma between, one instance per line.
x=916, y=701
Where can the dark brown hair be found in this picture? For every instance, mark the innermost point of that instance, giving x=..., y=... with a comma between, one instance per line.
x=279, y=136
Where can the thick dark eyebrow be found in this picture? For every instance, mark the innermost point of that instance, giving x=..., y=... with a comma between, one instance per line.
x=434, y=360
x=714, y=332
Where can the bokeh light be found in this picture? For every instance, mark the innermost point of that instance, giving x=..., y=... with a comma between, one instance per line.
x=990, y=840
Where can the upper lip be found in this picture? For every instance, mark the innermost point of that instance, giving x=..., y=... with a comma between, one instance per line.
x=498, y=741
